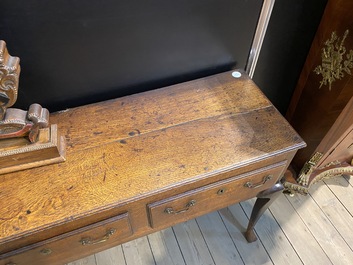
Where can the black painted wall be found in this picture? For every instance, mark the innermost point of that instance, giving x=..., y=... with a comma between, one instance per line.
x=75, y=52
x=288, y=39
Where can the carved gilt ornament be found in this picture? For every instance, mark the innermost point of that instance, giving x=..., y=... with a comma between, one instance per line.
x=336, y=61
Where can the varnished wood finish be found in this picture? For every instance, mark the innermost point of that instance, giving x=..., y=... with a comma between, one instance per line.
x=313, y=110
x=214, y=196
x=337, y=145
x=19, y=153
x=86, y=240
x=127, y=153
x=296, y=237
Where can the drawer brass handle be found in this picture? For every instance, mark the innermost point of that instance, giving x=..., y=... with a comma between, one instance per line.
x=170, y=210
x=250, y=185
x=90, y=241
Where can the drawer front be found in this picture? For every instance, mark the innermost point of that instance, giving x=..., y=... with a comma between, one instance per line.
x=197, y=202
x=75, y=244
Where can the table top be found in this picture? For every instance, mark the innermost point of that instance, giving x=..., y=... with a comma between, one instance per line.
x=131, y=147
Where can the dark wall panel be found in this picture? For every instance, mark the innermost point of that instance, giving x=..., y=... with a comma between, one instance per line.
x=74, y=52
x=290, y=32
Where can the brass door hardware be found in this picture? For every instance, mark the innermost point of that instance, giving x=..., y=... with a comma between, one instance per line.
x=334, y=64
x=308, y=168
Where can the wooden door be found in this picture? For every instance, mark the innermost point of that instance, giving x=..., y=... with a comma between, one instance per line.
x=324, y=89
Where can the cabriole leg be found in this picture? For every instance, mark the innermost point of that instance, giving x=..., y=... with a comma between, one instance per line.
x=263, y=201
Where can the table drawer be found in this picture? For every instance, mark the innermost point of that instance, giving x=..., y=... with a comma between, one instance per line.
x=77, y=243
x=215, y=196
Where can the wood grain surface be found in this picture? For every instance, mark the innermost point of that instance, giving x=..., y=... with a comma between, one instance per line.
x=314, y=109
x=125, y=153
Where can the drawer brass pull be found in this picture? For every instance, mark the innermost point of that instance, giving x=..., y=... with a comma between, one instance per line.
x=90, y=241
x=170, y=210
x=250, y=185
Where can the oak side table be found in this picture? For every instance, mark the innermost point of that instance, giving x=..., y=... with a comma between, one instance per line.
x=145, y=162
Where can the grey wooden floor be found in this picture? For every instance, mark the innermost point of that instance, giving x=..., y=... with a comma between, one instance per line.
x=313, y=229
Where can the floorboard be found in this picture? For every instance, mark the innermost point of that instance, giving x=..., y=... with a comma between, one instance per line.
x=90, y=260
x=138, y=252
x=323, y=230
x=272, y=237
x=218, y=240
x=335, y=212
x=298, y=234
x=313, y=229
x=165, y=248
x=112, y=256
x=236, y=222
x=343, y=191
x=192, y=244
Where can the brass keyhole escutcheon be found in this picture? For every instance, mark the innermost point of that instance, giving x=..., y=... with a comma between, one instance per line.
x=46, y=251
x=221, y=191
